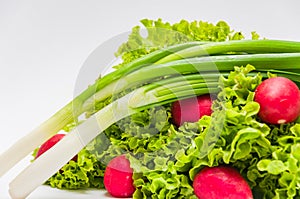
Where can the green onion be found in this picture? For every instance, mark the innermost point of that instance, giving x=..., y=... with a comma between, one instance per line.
x=240, y=46
x=213, y=57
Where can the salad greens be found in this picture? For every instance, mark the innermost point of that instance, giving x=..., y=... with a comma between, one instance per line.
x=165, y=159
x=161, y=34
x=176, y=61
x=136, y=47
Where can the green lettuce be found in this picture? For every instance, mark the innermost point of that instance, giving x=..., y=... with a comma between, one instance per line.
x=162, y=34
x=214, y=140
x=266, y=155
x=233, y=135
x=87, y=172
x=165, y=158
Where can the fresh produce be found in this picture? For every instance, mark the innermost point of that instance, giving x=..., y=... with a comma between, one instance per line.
x=191, y=109
x=50, y=143
x=221, y=182
x=118, y=178
x=130, y=111
x=279, y=100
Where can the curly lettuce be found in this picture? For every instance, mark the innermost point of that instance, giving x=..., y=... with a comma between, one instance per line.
x=161, y=34
x=165, y=158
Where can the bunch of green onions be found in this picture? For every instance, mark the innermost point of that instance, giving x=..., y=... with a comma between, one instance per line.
x=161, y=77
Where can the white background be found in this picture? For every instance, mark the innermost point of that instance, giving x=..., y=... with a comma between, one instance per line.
x=43, y=45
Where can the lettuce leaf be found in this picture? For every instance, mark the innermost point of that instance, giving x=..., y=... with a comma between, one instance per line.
x=233, y=135
x=87, y=172
x=165, y=159
x=160, y=34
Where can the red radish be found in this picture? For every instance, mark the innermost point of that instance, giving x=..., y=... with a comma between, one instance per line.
x=50, y=143
x=221, y=182
x=279, y=100
x=118, y=177
x=191, y=109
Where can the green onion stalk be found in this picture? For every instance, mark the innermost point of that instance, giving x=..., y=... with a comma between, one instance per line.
x=161, y=77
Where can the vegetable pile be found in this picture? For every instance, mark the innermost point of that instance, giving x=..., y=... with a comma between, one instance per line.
x=203, y=101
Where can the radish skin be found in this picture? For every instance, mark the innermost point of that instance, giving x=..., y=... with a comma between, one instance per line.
x=191, y=109
x=221, y=182
x=118, y=177
x=279, y=100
